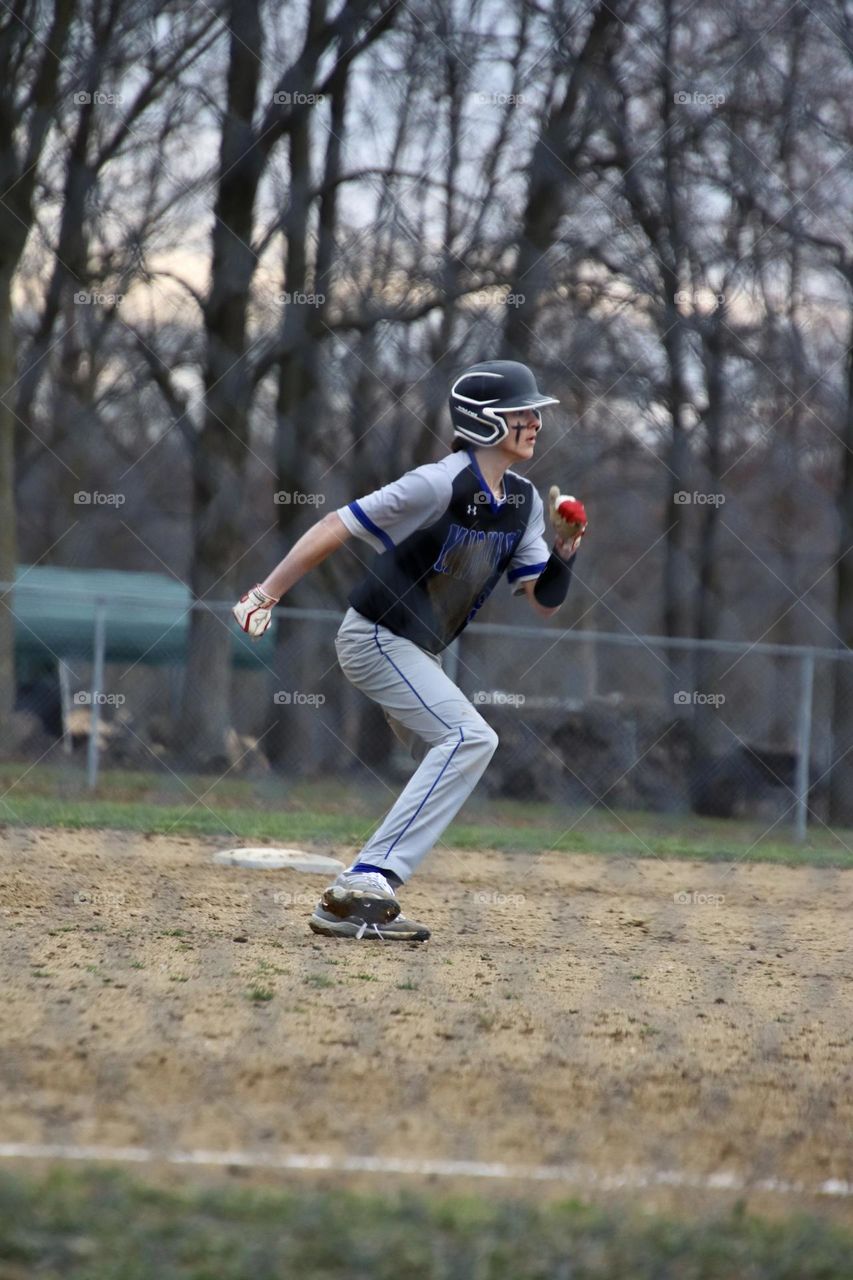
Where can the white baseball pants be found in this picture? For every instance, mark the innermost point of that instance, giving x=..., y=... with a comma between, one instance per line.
x=434, y=720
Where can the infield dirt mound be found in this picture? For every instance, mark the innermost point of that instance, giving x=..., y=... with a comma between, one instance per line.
x=567, y=1009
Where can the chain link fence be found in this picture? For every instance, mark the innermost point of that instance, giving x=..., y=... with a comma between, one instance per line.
x=585, y=718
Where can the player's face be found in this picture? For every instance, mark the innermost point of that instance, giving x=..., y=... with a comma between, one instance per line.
x=523, y=425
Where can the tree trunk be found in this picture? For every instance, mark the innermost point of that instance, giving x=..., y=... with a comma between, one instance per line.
x=704, y=796
x=552, y=177
x=69, y=267
x=676, y=566
x=7, y=501
x=26, y=112
x=841, y=779
x=220, y=452
x=295, y=404
x=672, y=257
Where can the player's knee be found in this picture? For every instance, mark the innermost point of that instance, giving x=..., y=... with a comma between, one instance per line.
x=482, y=739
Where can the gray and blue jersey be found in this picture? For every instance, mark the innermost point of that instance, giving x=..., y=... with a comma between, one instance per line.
x=444, y=541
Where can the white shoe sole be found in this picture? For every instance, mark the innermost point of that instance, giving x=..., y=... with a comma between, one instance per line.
x=397, y=930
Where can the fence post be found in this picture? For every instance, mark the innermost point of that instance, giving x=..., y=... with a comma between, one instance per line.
x=804, y=745
x=97, y=680
x=65, y=704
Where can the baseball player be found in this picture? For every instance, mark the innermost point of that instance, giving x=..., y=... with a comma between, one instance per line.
x=444, y=535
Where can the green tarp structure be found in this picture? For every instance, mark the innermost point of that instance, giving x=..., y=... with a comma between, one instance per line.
x=146, y=615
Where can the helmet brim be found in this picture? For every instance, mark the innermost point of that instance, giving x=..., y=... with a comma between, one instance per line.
x=534, y=402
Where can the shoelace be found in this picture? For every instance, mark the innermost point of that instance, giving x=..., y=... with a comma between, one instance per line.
x=364, y=926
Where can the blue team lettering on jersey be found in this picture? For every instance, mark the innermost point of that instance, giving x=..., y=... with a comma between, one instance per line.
x=513, y=540
x=433, y=577
x=468, y=554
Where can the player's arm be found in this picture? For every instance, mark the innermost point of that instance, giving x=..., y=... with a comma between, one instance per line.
x=382, y=519
x=544, y=611
x=253, y=610
x=547, y=592
x=315, y=545
x=568, y=520
x=543, y=576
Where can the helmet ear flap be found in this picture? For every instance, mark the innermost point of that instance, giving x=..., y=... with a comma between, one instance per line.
x=501, y=424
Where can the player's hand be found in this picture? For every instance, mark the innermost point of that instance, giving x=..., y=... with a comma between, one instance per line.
x=253, y=611
x=568, y=518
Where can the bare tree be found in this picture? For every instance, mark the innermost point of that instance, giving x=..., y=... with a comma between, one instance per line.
x=249, y=133
x=31, y=53
x=556, y=166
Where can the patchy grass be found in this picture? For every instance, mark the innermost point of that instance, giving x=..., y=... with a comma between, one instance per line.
x=260, y=995
x=99, y=1224
x=339, y=814
x=318, y=980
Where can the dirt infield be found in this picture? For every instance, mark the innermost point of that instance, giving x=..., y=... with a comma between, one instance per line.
x=612, y=1013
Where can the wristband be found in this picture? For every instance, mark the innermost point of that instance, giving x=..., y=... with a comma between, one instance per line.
x=268, y=601
x=552, y=585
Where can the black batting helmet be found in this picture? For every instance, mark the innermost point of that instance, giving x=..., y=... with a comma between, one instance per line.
x=484, y=393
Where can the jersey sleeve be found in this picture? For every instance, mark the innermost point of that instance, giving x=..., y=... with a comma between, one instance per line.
x=389, y=515
x=531, y=554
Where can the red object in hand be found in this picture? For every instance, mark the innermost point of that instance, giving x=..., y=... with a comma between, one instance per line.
x=573, y=511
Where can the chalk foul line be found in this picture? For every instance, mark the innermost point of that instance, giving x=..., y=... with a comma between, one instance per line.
x=631, y=1179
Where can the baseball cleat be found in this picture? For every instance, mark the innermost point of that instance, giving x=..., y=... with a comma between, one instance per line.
x=361, y=895
x=399, y=929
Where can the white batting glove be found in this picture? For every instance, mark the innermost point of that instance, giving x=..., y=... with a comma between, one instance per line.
x=253, y=611
x=568, y=518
